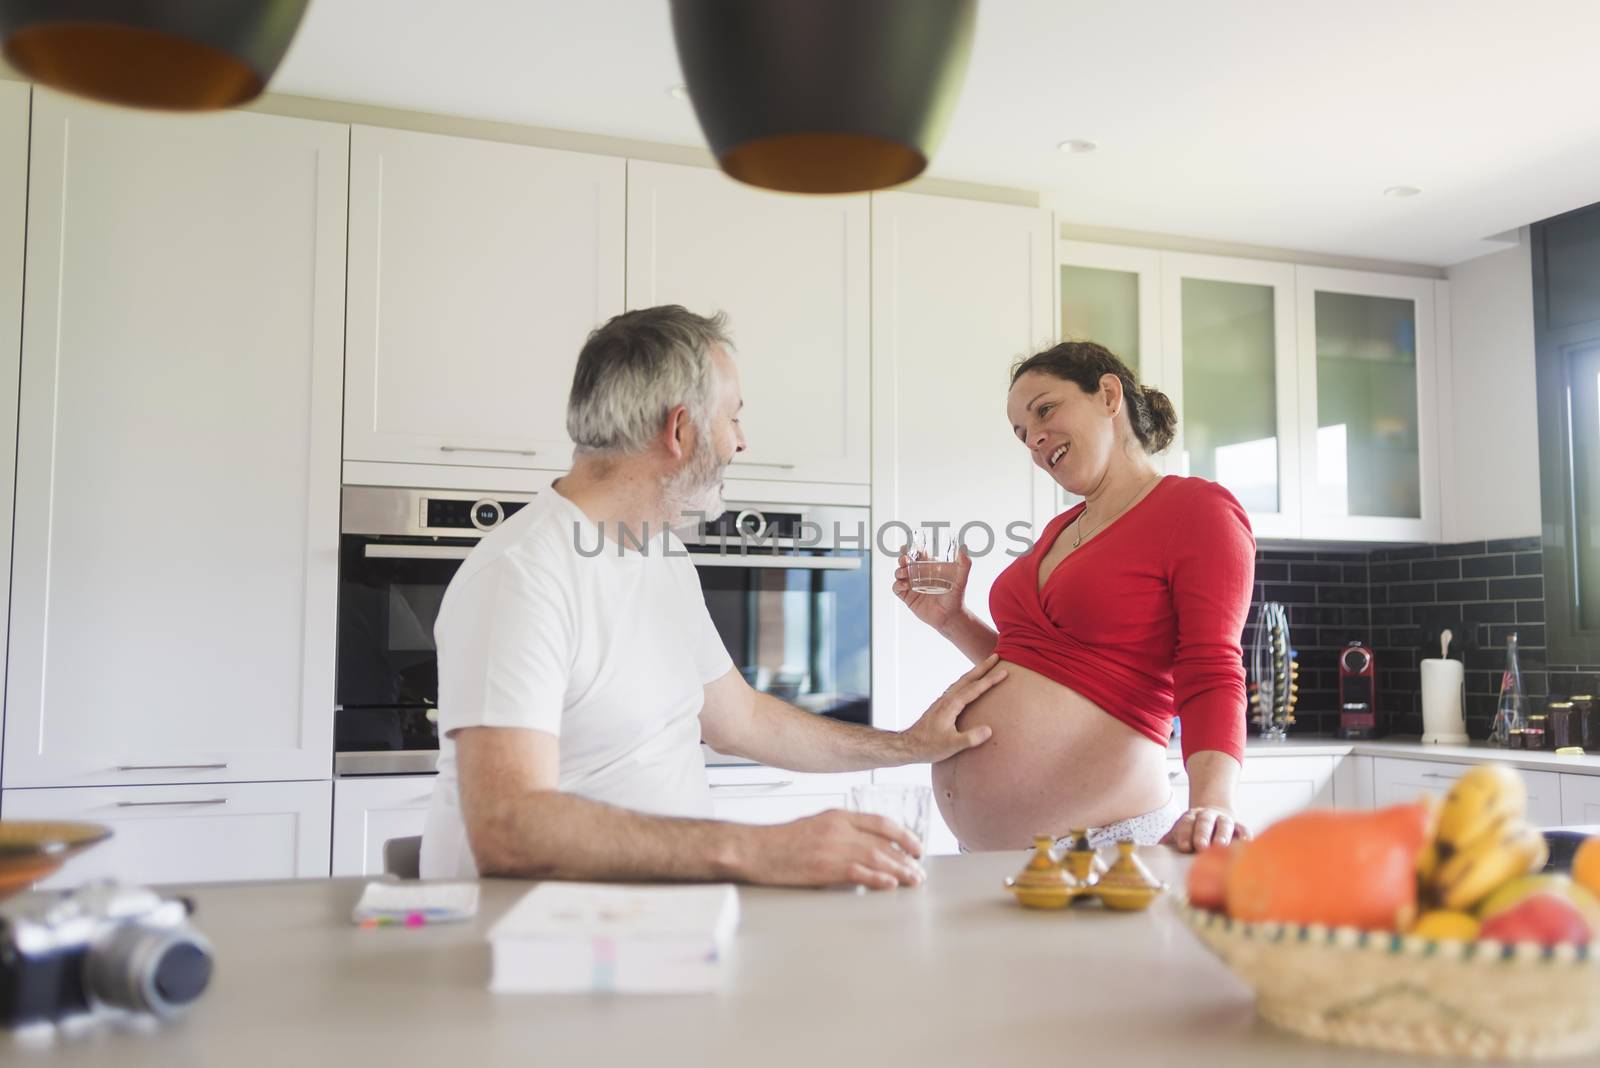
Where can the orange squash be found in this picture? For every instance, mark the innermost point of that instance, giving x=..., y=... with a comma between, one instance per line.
x=1356, y=869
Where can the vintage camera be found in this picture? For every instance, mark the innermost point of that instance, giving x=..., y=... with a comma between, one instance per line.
x=103, y=946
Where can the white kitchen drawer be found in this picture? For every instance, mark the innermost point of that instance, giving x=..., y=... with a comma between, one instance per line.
x=1580, y=800
x=190, y=834
x=1273, y=787
x=1396, y=781
x=367, y=812
x=756, y=794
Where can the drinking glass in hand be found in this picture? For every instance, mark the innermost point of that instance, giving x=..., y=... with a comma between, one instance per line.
x=930, y=567
x=909, y=805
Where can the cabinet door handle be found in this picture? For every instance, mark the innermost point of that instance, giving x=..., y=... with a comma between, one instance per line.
x=774, y=785
x=171, y=767
x=1441, y=775
x=474, y=448
x=151, y=804
x=757, y=463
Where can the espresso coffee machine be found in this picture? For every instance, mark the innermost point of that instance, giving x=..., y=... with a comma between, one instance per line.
x=1358, y=692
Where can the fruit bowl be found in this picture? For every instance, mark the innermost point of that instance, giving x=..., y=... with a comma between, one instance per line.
x=1413, y=995
x=30, y=850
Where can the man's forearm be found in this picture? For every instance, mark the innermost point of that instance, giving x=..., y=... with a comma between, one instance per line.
x=1213, y=777
x=546, y=834
x=787, y=737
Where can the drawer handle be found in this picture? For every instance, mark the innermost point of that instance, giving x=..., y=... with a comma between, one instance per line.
x=150, y=804
x=1441, y=775
x=171, y=767
x=757, y=463
x=473, y=448
x=775, y=785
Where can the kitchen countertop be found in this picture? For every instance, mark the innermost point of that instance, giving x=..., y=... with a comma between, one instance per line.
x=950, y=973
x=1413, y=749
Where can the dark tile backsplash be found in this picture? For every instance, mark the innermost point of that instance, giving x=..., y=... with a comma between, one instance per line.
x=1398, y=601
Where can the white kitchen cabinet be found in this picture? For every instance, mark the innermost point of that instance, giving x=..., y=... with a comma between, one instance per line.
x=960, y=290
x=1228, y=328
x=211, y=832
x=477, y=269
x=1396, y=781
x=177, y=499
x=14, y=97
x=1271, y=788
x=368, y=811
x=792, y=274
x=1111, y=294
x=756, y=794
x=1580, y=800
x=1368, y=405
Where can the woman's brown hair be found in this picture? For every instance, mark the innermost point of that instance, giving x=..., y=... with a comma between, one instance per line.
x=1083, y=363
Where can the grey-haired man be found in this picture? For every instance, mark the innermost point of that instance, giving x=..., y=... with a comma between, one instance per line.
x=575, y=687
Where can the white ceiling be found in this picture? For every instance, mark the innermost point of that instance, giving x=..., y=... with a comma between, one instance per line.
x=1268, y=122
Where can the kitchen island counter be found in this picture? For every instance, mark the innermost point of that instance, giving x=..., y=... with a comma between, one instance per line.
x=950, y=973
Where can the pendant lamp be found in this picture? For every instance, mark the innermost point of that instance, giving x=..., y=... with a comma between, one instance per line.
x=182, y=55
x=823, y=96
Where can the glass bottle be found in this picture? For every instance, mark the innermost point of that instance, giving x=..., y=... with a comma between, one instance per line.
x=1511, y=713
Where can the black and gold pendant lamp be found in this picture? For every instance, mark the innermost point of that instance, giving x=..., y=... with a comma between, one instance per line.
x=824, y=96
x=180, y=55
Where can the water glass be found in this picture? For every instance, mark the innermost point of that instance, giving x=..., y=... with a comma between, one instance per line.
x=931, y=567
x=909, y=805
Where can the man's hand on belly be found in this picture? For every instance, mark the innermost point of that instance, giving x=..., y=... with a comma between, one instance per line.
x=935, y=736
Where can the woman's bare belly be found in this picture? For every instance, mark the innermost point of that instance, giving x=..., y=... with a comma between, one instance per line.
x=1055, y=761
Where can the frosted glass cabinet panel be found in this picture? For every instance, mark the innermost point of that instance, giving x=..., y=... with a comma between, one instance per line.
x=1110, y=295
x=1231, y=370
x=1366, y=341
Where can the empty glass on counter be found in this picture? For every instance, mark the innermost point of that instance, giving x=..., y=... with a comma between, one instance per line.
x=908, y=804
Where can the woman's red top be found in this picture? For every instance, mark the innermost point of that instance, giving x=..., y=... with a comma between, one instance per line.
x=1145, y=618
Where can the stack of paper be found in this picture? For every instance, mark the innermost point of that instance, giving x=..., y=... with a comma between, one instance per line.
x=580, y=937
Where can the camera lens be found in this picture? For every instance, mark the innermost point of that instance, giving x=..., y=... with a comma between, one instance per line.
x=158, y=970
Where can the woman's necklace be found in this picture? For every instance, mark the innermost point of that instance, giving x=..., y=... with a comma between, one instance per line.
x=1079, y=532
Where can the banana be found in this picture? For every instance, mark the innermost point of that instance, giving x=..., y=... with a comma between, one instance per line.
x=1480, y=801
x=1513, y=848
x=1428, y=863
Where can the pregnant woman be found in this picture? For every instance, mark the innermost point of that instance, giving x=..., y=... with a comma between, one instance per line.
x=1127, y=612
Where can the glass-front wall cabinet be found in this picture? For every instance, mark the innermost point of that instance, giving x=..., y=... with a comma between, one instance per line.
x=1367, y=343
x=1231, y=361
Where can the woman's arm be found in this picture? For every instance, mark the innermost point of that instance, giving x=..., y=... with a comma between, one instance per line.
x=1210, y=818
x=1211, y=565
x=975, y=638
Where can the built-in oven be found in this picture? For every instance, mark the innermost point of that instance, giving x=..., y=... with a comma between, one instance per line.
x=788, y=588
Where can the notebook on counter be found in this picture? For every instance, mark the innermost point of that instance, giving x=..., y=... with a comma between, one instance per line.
x=589, y=937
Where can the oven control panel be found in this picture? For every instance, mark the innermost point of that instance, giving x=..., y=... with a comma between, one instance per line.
x=463, y=514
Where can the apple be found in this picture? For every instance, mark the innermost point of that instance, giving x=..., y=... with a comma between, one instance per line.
x=1548, y=918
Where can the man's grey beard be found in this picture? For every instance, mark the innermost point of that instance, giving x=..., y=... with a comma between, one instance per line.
x=695, y=491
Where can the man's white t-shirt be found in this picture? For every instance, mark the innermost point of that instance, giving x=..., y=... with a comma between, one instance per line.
x=546, y=627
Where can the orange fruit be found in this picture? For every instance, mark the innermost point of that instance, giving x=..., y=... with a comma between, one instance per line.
x=1586, y=865
x=1208, y=875
x=1356, y=869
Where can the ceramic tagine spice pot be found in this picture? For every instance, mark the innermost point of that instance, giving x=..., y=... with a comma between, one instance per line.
x=1080, y=859
x=1128, y=885
x=1042, y=883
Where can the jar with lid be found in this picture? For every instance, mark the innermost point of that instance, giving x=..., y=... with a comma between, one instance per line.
x=1560, y=720
x=1537, y=736
x=1587, y=728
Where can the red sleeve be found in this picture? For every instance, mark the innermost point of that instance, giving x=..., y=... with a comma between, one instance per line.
x=1211, y=563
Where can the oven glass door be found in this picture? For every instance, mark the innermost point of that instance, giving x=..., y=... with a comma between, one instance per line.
x=800, y=630
x=390, y=590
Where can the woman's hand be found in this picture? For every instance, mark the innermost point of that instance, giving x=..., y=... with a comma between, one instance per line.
x=938, y=610
x=1203, y=826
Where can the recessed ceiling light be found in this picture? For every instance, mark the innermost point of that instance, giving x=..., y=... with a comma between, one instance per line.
x=1400, y=192
x=678, y=92
x=1074, y=146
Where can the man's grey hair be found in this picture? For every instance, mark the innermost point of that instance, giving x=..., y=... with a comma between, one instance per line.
x=637, y=368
